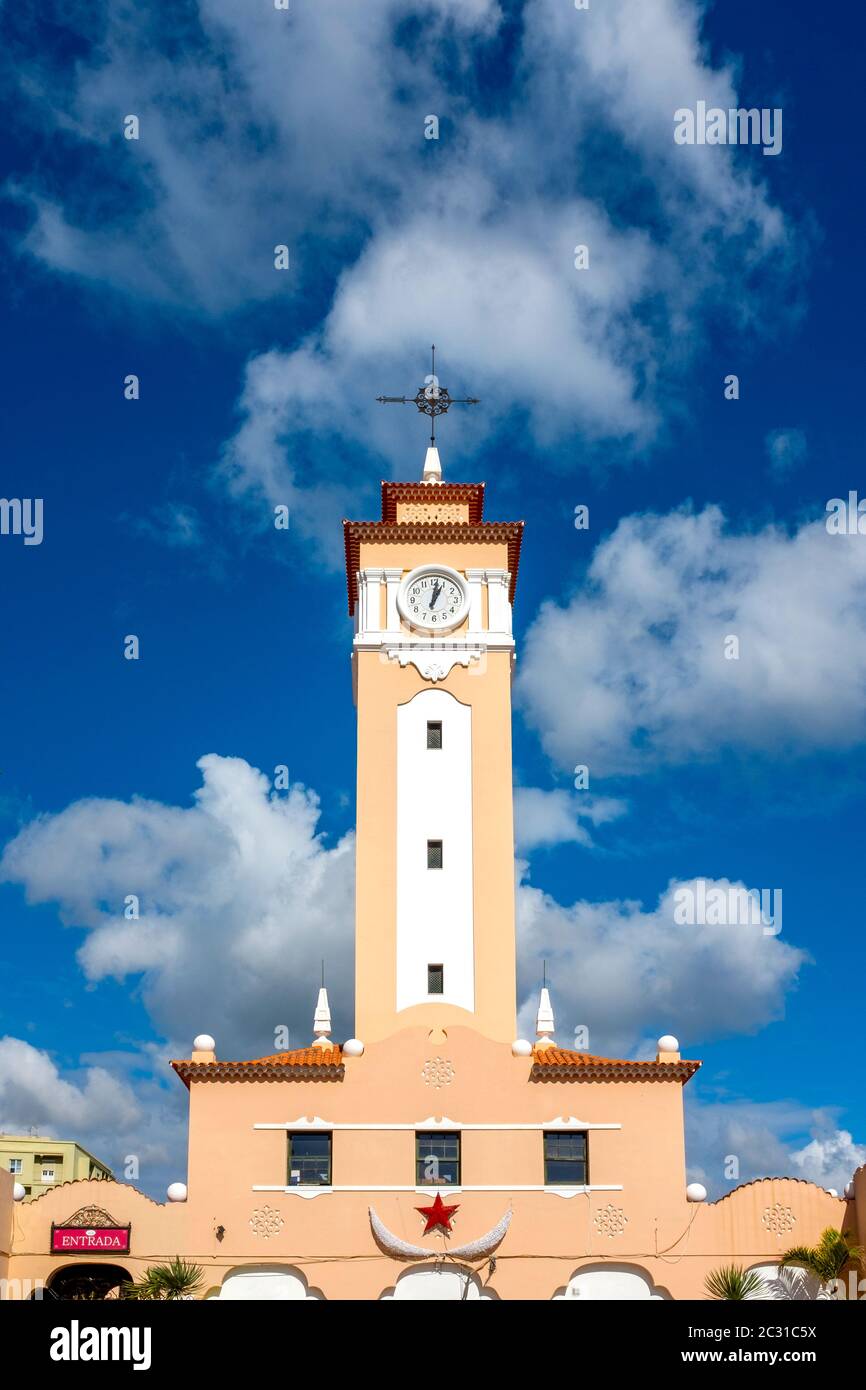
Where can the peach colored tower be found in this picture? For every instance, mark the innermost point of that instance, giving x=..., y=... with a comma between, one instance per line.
x=431, y=587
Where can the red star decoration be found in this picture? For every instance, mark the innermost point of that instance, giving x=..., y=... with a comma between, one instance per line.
x=438, y=1216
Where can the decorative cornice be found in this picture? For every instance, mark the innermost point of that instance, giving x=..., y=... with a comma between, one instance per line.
x=434, y=665
x=509, y=533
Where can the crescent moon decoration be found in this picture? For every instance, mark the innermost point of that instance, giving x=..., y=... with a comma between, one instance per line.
x=403, y=1250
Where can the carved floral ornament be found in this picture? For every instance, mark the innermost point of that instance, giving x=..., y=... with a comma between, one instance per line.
x=93, y=1218
x=437, y=1072
x=610, y=1221
x=778, y=1219
x=266, y=1222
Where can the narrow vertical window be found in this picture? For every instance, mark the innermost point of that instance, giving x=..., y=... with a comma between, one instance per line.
x=434, y=854
x=437, y=1159
x=565, y=1160
x=435, y=979
x=310, y=1160
x=434, y=733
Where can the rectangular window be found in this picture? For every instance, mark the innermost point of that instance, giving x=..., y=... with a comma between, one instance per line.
x=434, y=854
x=47, y=1174
x=434, y=733
x=435, y=979
x=15, y=1165
x=437, y=1160
x=565, y=1160
x=310, y=1160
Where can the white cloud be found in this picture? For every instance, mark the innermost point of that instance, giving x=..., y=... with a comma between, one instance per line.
x=631, y=672
x=545, y=818
x=240, y=900
x=625, y=972
x=33, y=1093
x=829, y=1159
x=765, y=1138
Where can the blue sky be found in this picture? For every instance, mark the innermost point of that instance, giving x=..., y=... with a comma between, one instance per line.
x=602, y=387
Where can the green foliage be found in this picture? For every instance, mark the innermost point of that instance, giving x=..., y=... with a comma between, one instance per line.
x=828, y=1258
x=734, y=1282
x=179, y=1279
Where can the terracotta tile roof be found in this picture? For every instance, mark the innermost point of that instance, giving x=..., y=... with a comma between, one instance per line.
x=552, y=1063
x=305, y=1063
x=471, y=494
x=421, y=533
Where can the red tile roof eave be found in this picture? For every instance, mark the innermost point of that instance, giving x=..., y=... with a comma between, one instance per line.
x=470, y=535
x=303, y=1063
x=558, y=1063
x=470, y=493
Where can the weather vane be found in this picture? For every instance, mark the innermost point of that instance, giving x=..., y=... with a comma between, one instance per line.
x=431, y=398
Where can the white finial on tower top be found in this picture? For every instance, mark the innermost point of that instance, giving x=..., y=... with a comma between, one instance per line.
x=432, y=467
x=544, y=1025
x=322, y=1021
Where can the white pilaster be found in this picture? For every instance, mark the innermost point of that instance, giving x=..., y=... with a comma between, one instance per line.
x=474, y=579
x=392, y=581
x=499, y=607
x=371, y=611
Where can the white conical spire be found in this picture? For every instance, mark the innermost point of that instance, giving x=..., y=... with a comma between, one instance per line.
x=544, y=1025
x=322, y=1020
x=432, y=467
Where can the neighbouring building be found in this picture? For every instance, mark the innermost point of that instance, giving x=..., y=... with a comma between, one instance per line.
x=435, y=1155
x=39, y=1164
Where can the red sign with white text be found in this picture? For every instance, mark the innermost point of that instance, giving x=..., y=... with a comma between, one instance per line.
x=90, y=1240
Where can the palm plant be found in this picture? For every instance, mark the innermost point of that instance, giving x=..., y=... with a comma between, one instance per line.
x=179, y=1279
x=734, y=1282
x=828, y=1258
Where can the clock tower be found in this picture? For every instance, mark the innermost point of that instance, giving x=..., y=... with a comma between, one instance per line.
x=431, y=585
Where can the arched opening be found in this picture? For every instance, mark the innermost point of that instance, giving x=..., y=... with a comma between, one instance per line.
x=606, y=1283
x=87, y=1283
x=439, y=1284
x=266, y=1283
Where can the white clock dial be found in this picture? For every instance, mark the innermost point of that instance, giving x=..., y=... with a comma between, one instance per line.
x=434, y=598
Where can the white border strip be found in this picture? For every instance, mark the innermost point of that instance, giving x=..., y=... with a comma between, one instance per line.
x=316, y=1122
x=312, y=1191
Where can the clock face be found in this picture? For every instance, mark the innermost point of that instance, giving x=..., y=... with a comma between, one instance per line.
x=434, y=599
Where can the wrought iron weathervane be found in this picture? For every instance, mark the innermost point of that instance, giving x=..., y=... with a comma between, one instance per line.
x=431, y=398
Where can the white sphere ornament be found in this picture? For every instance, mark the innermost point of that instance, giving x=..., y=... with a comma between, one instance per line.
x=204, y=1043
x=353, y=1047
x=521, y=1048
x=176, y=1192
x=668, y=1043
x=18, y=1192
x=849, y=1190
x=832, y=1191
x=696, y=1192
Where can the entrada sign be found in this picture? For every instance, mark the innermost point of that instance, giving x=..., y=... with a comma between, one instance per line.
x=90, y=1240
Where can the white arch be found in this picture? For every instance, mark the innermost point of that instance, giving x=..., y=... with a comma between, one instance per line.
x=439, y=1284
x=611, y=1282
x=266, y=1283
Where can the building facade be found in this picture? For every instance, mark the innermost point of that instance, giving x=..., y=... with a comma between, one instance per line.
x=435, y=1155
x=38, y=1164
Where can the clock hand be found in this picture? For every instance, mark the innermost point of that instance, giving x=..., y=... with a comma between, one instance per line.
x=436, y=592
